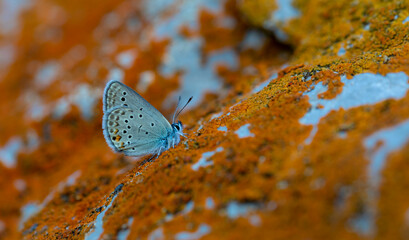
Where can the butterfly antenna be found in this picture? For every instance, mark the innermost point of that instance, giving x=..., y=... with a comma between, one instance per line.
x=177, y=114
x=177, y=106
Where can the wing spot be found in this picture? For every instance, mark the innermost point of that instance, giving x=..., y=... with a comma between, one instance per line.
x=110, y=123
x=122, y=99
x=130, y=136
x=129, y=143
x=152, y=124
x=141, y=109
x=140, y=115
x=126, y=121
x=125, y=105
x=124, y=131
x=129, y=127
x=124, y=93
x=133, y=149
x=131, y=116
x=146, y=133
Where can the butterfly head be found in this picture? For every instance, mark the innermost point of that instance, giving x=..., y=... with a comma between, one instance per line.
x=178, y=127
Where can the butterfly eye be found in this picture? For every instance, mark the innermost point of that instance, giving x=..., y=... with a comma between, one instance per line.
x=177, y=127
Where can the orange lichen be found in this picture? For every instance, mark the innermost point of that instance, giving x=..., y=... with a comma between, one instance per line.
x=269, y=184
x=332, y=81
x=257, y=11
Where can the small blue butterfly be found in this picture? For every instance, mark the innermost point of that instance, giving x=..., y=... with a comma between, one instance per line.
x=132, y=126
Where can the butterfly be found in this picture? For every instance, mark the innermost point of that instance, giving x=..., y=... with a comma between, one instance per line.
x=132, y=126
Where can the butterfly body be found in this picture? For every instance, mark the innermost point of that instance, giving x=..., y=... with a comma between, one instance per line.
x=132, y=126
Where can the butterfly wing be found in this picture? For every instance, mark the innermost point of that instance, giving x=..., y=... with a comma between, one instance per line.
x=132, y=132
x=118, y=94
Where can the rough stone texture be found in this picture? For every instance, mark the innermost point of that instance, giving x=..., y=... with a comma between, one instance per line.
x=303, y=140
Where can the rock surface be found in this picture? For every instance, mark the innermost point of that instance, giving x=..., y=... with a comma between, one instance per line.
x=299, y=128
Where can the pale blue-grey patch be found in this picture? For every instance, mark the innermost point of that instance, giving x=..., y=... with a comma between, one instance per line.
x=363, y=224
x=216, y=115
x=203, y=230
x=157, y=234
x=244, y=131
x=116, y=74
x=99, y=224
x=2, y=227
x=8, y=153
x=185, y=55
x=209, y=204
x=222, y=128
x=126, y=58
x=285, y=11
x=362, y=89
x=281, y=16
x=198, y=79
x=341, y=51
x=393, y=139
x=253, y=40
x=123, y=234
x=154, y=8
x=7, y=56
x=85, y=98
x=255, y=220
x=188, y=208
x=47, y=73
x=61, y=108
x=20, y=184
x=27, y=211
x=235, y=210
x=187, y=15
x=203, y=161
x=10, y=11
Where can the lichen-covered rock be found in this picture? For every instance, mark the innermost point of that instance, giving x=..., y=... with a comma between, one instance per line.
x=306, y=141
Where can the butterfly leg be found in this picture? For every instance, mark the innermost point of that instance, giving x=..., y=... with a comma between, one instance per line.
x=182, y=134
x=159, y=151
